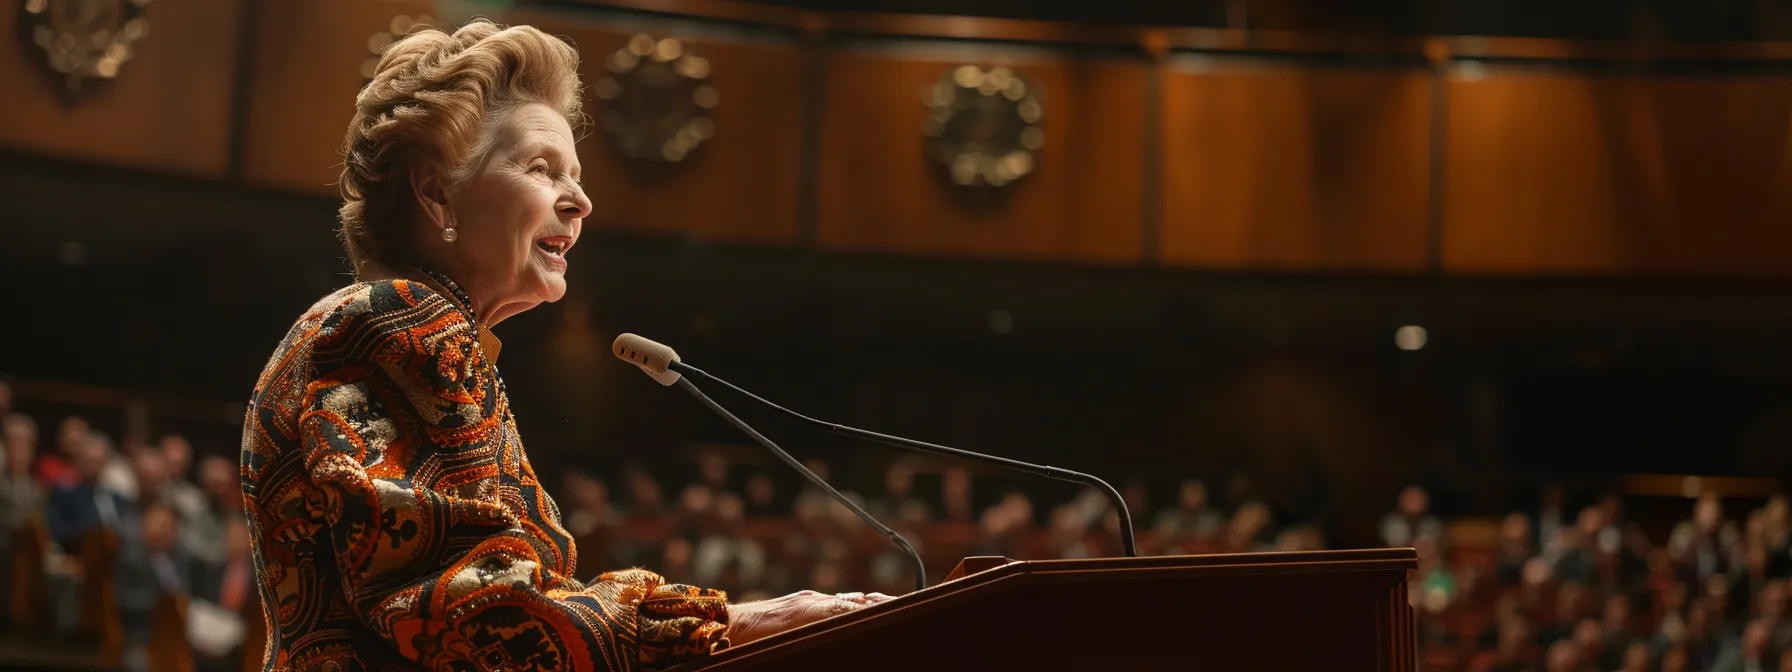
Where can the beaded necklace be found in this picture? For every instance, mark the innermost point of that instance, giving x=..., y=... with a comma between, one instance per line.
x=463, y=302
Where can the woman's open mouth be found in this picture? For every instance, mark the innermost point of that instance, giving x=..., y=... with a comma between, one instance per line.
x=554, y=248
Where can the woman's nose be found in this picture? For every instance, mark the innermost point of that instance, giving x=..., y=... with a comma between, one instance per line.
x=576, y=205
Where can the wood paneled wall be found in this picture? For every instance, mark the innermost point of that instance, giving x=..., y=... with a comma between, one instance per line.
x=1566, y=172
x=878, y=191
x=306, y=62
x=1268, y=166
x=169, y=109
x=1189, y=149
x=742, y=186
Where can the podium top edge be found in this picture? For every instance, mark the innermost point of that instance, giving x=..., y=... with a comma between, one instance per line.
x=1378, y=559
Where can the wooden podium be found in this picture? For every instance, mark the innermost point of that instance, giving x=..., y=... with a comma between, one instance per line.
x=1332, y=610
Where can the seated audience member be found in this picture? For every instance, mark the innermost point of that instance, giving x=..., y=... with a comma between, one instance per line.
x=75, y=510
x=899, y=493
x=1703, y=546
x=57, y=469
x=1749, y=653
x=1637, y=658
x=1562, y=657
x=713, y=473
x=1411, y=520
x=200, y=532
x=590, y=518
x=646, y=497
x=70, y=513
x=1676, y=659
x=588, y=511
x=955, y=496
x=118, y=474
x=1004, y=524
x=722, y=547
x=1192, y=519
x=222, y=597
x=810, y=493
x=1515, y=548
x=1512, y=652
x=218, y=477
x=149, y=469
x=1551, y=516
x=762, y=497
x=179, y=452
x=1245, y=533
x=1617, y=631
x=1573, y=558
x=20, y=498
x=151, y=566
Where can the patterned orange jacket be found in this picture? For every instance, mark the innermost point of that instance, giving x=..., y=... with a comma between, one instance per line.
x=398, y=524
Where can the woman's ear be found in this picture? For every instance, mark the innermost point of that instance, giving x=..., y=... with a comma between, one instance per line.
x=431, y=191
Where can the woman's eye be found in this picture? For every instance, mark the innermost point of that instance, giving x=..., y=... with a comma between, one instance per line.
x=539, y=168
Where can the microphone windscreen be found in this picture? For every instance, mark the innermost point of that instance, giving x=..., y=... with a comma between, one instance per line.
x=652, y=356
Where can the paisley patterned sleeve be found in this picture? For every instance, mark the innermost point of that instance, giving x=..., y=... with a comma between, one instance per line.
x=430, y=510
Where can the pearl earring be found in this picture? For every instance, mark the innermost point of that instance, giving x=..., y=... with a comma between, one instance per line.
x=449, y=235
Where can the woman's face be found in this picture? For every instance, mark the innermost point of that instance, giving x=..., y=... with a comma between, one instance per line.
x=517, y=215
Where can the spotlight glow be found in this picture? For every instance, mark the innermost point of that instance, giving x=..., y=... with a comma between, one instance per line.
x=1411, y=338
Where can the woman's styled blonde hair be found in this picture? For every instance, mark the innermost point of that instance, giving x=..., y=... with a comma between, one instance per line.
x=433, y=99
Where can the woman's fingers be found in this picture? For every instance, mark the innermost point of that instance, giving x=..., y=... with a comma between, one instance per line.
x=844, y=602
x=865, y=598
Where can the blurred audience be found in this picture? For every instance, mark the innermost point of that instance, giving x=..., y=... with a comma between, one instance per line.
x=1190, y=520
x=152, y=565
x=1411, y=520
x=1558, y=587
x=1592, y=593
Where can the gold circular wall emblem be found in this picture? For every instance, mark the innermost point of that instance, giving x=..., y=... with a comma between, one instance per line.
x=656, y=100
x=984, y=124
x=84, y=39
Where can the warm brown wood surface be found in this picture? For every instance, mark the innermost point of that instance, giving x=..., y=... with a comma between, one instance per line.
x=29, y=604
x=1284, y=167
x=1573, y=162
x=1554, y=172
x=744, y=184
x=877, y=190
x=168, y=110
x=307, y=70
x=169, y=649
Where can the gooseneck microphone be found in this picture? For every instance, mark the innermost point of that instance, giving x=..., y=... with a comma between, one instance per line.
x=653, y=358
x=662, y=364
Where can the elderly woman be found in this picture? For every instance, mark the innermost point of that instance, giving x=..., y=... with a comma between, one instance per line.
x=397, y=521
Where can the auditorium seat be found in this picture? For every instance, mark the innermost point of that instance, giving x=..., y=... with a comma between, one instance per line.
x=29, y=607
x=99, y=594
x=255, y=633
x=169, y=650
x=1443, y=659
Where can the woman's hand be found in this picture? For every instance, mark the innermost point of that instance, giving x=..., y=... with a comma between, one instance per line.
x=758, y=620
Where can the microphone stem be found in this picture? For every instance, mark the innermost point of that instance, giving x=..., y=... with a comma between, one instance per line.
x=897, y=539
x=1128, y=544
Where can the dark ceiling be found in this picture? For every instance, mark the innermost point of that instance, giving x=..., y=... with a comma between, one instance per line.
x=1603, y=19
